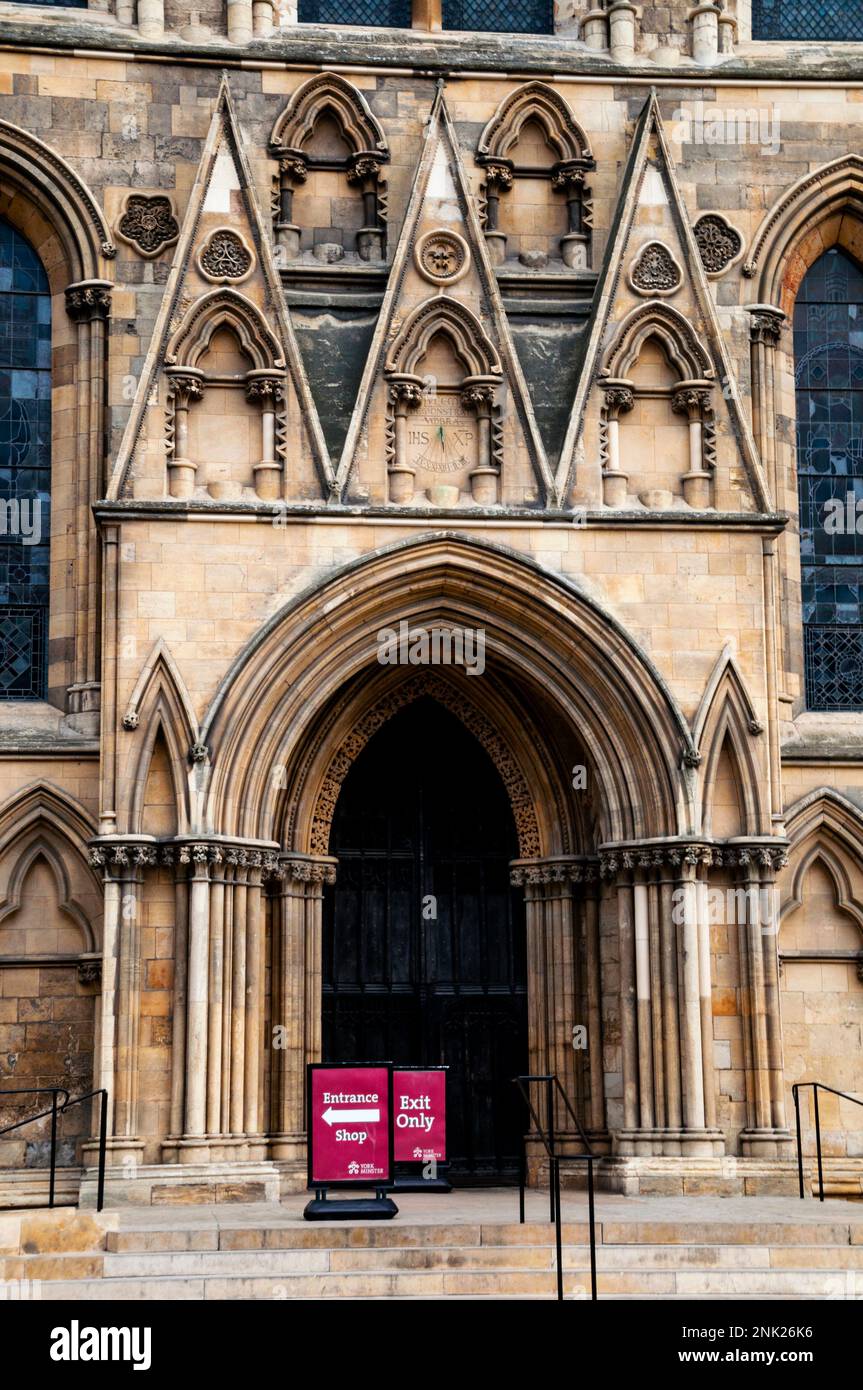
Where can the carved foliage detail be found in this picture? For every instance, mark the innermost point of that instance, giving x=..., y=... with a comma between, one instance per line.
x=655, y=270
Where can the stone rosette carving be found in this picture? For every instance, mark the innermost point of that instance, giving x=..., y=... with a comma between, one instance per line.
x=442, y=257
x=720, y=245
x=148, y=223
x=655, y=271
x=226, y=257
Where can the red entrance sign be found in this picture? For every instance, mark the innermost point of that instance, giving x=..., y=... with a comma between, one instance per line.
x=349, y=1126
x=419, y=1111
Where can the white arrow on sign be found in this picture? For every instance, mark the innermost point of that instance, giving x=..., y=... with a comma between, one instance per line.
x=333, y=1117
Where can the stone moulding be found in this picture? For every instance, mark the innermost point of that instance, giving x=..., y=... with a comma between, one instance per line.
x=625, y=860
x=427, y=683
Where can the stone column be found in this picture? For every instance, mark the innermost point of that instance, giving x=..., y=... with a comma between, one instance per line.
x=262, y=19
x=593, y=971
x=116, y=1065
x=405, y=394
x=621, y=28
x=594, y=29
x=705, y=33
x=240, y=26
x=692, y=399
x=185, y=385
x=727, y=33
x=151, y=18
x=765, y=331
x=293, y=170
x=193, y=1146
x=765, y=1135
x=498, y=179
x=297, y=996
x=88, y=304
x=568, y=178
x=619, y=399
x=478, y=394
x=553, y=984
x=365, y=171
x=666, y=1022
x=267, y=388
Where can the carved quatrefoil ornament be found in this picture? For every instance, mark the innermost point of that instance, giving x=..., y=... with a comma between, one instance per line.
x=226, y=257
x=148, y=223
x=442, y=256
x=655, y=271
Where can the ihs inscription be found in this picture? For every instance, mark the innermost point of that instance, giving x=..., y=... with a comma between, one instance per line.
x=442, y=436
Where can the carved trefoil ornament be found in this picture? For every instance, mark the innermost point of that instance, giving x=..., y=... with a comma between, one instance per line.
x=226, y=257
x=148, y=223
x=655, y=271
x=442, y=256
x=720, y=245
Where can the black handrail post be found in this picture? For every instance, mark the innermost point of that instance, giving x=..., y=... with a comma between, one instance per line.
x=103, y=1144
x=558, y=1234
x=796, y=1094
x=52, y=1181
x=818, y=1145
x=522, y=1178
x=549, y=1120
x=592, y=1219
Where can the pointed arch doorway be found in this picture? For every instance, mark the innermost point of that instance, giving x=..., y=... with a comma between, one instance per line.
x=424, y=946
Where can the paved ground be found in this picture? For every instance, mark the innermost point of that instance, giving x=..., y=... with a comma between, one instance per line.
x=501, y=1205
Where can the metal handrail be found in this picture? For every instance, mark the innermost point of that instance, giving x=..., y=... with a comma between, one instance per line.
x=54, y=1111
x=816, y=1087
x=555, y=1158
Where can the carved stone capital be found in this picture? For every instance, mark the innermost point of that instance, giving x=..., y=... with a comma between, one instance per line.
x=618, y=400
x=88, y=299
x=294, y=167
x=690, y=400
x=499, y=176
x=765, y=324
x=364, y=168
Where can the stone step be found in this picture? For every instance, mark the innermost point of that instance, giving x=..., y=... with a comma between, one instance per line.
x=608, y=1233
x=723, y=1284
x=477, y=1258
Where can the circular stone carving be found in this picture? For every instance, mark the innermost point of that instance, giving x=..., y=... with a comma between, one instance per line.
x=442, y=257
x=225, y=257
x=655, y=271
x=148, y=224
x=719, y=244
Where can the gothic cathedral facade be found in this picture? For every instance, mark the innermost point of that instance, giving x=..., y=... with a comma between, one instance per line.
x=431, y=612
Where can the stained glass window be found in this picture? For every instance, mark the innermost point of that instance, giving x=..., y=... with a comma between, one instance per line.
x=828, y=350
x=392, y=14
x=500, y=16
x=25, y=468
x=836, y=20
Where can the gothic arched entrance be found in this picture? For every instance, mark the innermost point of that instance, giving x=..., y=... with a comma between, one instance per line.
x=424, y=954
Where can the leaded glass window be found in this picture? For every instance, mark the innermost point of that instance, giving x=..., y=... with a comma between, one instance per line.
x=391, y=14
x=828, y=351
x=500, y=16
x=829, y=20
x=25, y=468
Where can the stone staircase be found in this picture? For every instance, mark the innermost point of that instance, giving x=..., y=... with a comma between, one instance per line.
x=260, y=1253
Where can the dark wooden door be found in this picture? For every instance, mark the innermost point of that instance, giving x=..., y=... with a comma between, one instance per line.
x=424, y=957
